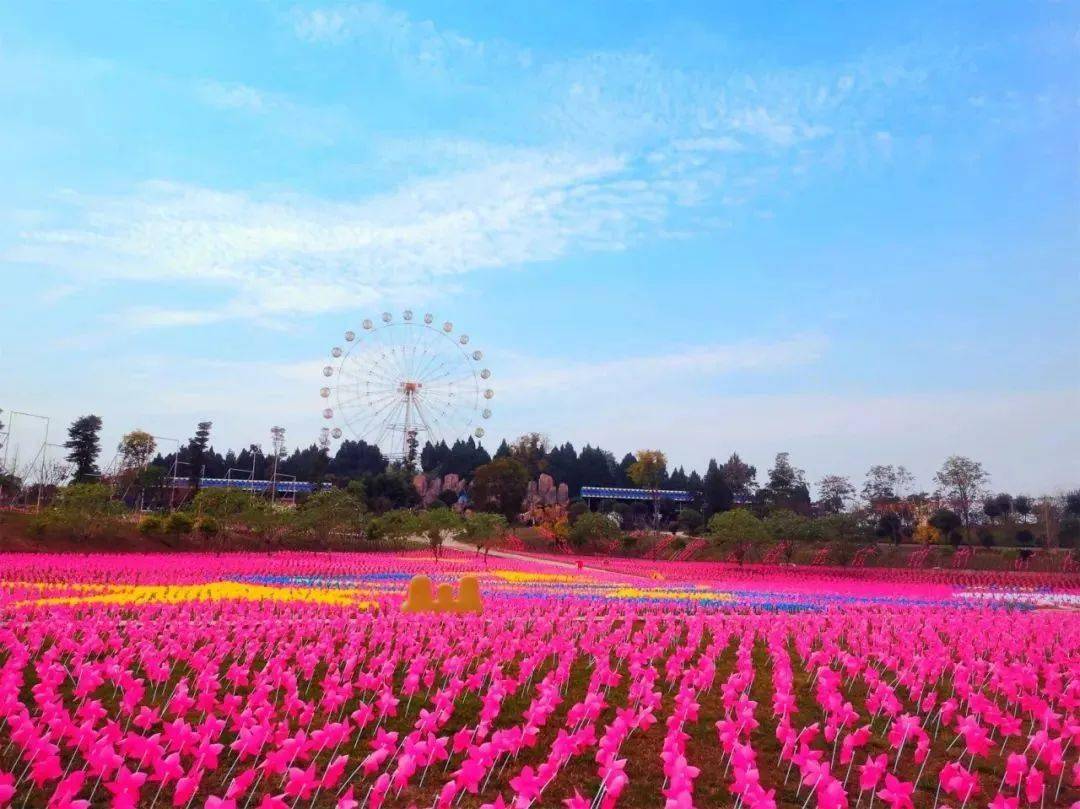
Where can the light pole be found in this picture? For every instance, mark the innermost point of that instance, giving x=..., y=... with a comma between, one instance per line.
x=175, y=465
x=277, y=435
x=41, y=452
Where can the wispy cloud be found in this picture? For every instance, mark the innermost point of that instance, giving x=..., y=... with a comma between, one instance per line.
x=294, y=255
x=416, y=45
x=624, y=145
x=695, y=364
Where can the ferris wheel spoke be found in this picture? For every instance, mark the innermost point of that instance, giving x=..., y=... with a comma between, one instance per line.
x=372, y=415
x=369, y=400
x=424, y=370
x=449, y=383
x=423, y=419
x=391, y=348
x=374, y=371
x=449, y=379
x=419, y=354
x=388, y=424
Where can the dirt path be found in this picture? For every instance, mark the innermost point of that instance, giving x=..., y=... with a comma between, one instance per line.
x=454, y=544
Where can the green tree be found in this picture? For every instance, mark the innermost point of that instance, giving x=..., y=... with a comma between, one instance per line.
x=327, y=512
x=740, y=477
x=690, y=520
x=948, y=523
x=834, y=493
x=84, y=510
x=84, y=446
x=500, y=486
x=716, y=490
x=784, y=525
x=592, y=527
x=845, y=527
x=269, y=523
x=961, y=481
x=178, y=522
x=393, y=526
x=135, y=449
x=531, y=451
x=737, y=525
x=197, y=447
x=1072, y=502
x=649, y=471
x=787, y=486
x=886, y=483
x=890, y=525
x=228, y=505
x=484, y=529
x=438, y=524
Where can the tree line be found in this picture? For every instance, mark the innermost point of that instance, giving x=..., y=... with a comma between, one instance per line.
x=887, y=504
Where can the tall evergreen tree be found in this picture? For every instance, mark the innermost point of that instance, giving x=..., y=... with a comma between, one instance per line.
x=197, y=447
x=740, y=477
x=715, y=489
x=84, y=446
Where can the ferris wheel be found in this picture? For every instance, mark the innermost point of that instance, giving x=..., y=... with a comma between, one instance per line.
x=396, y=383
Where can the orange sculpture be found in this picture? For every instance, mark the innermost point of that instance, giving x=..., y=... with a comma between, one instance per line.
x=419, y=596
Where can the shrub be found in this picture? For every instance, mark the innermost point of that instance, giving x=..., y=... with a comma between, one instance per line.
x=738, y=525
x=85, y=510
x=690, y=520
x=592, y=527
x=178, y=523
x=207, y=526
x=151, y=524
x=576, y=509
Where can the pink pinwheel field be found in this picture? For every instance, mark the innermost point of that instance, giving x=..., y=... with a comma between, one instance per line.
x=295, y=680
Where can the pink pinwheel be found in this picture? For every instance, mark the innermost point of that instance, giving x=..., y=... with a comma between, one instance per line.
x=346, y=801
x=897, y=793
x=526, y=785
x=856, y=739
x=1015, y=766
x=333, y=772
x=958, y=781
x=301, y=782
x=1002, y=801
x=214, y=802
x=125, y=788
x=7, y=788
x=870, y=773
x=469, y=775
x=239, y=785
x=832, y=795
x=186, y=787
x=1034, y=785
x=576, y=801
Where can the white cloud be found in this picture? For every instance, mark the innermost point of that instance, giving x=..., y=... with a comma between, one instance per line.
x=295, y=255
x=416, y=45
x=679, y=369
x=234, y=96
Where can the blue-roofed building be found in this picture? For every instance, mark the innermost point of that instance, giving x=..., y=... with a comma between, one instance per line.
x=589, y=493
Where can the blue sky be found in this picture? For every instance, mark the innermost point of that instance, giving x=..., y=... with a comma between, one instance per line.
x=845, y=231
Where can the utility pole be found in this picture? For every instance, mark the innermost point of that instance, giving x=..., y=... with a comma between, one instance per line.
x=277, y=435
